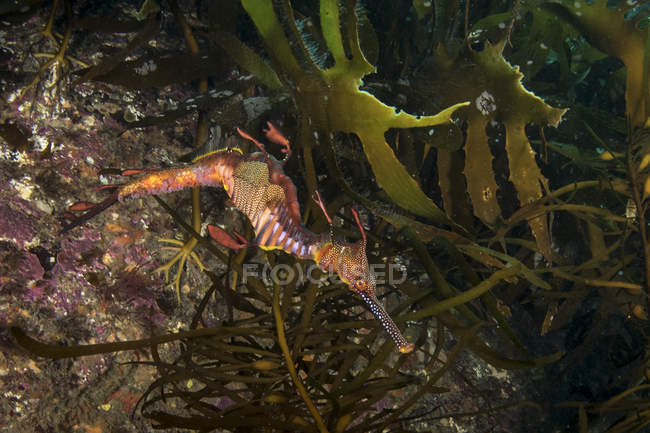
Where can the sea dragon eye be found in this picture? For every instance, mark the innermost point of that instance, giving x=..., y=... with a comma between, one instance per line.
x=360, y=285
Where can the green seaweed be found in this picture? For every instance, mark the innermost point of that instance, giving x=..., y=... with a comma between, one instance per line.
x=608, y=29
x=498, y=95
x=330, y=99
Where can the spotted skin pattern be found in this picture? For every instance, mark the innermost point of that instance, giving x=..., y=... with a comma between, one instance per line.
x=258, y=187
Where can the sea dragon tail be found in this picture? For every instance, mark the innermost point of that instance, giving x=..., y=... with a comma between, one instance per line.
x=213, y=170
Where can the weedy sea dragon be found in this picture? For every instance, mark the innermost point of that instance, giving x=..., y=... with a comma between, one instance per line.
x=258, y=187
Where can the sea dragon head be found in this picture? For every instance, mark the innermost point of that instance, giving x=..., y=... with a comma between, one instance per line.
x=350, y=262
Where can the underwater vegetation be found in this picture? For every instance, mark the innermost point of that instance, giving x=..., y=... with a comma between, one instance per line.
x=498, y=154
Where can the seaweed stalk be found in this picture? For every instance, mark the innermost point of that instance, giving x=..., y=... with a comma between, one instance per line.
x=282, y=341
